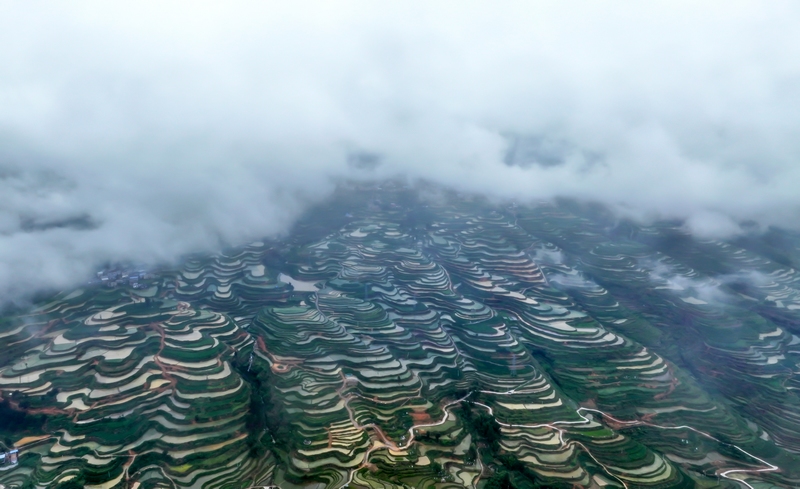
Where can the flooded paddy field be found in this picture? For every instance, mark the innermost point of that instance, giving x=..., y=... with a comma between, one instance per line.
x=398, y=341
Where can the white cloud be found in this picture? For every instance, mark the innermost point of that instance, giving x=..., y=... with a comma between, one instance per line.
x=173, y=127
x=709, y=225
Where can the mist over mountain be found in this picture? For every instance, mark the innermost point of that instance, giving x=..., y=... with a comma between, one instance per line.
x=147, y=131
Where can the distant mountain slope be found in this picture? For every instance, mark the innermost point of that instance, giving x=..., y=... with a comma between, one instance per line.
x=398, y=341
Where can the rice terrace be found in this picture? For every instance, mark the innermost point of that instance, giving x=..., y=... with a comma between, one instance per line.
x=418, y=339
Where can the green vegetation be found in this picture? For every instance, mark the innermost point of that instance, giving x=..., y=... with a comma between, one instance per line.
x=14, y=422
x=395, y=342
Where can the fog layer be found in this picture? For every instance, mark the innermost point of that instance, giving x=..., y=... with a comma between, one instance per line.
x=145, y=131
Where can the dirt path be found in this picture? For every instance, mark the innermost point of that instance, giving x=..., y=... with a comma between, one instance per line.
x=385, y=442
x=768, y=466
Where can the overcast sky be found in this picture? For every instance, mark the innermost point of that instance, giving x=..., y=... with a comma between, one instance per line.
x=148, y=130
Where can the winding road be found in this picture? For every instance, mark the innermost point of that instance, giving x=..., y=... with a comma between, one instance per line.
x=554, y=425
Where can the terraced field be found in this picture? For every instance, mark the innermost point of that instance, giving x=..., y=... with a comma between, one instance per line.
x=395, y=341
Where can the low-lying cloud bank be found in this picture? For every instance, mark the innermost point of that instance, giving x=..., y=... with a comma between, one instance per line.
x=145, y=131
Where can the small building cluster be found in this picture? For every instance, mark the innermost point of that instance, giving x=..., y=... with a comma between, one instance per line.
x=10, y=457
x=120, y=277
